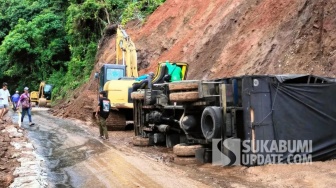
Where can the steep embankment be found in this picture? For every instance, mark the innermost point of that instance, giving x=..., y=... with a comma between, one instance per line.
x=225, y=38
x=221, y=38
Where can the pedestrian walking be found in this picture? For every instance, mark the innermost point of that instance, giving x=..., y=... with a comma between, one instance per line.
x=24, y=101
x=5, y=100
x=15, y=100
x=102, y=113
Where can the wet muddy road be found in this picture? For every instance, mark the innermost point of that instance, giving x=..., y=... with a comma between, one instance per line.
x=76, y=157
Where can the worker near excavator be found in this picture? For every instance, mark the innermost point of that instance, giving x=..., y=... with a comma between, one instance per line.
x=102, y=113
x=174, y=72
x=142, y=81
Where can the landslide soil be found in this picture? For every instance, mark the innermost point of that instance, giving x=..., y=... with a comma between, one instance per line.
x=223, y=38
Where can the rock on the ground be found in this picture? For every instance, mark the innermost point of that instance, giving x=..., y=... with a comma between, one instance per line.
x=20, y=166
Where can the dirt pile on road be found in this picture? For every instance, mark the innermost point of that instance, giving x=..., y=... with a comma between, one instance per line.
x=222, y=38
x=79, y=105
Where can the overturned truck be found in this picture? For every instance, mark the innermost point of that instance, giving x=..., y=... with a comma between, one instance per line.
x=247, y=120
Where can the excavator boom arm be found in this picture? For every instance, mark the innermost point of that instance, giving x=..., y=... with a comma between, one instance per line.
x=126, y=53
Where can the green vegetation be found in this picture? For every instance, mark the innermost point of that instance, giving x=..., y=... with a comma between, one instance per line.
x=56, y=41
x=139, y=10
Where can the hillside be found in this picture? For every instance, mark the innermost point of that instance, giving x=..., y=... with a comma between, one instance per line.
x=221, y=38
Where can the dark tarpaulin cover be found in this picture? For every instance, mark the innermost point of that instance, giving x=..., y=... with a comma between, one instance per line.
x=301, y=77
x=284, y=77
x=306, y=112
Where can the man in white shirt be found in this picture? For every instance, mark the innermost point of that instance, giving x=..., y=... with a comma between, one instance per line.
x=5, y=100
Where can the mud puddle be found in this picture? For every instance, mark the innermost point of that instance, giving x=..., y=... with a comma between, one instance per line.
x=61, y=143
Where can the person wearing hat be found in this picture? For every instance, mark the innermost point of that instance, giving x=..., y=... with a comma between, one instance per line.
x=5, y=100
x=15, y=100
x=102, y=113
x=24, y=101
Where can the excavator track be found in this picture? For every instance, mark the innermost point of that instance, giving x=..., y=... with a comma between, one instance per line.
x=116, y=121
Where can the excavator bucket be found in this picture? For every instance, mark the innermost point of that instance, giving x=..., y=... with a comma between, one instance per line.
x=42, y=102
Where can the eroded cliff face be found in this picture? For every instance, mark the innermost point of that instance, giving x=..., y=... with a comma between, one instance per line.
x=223, y=38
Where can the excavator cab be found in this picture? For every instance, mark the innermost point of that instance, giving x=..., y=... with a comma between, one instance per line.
x=47, y=90
x=110, y=72
x=118, y=87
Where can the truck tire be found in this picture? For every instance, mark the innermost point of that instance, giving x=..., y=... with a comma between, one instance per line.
x=176, y=86
x=184, y=96
x=140, y=141
x=185, y=160
x=138, y=95
x=183, y=150
x=211, y=122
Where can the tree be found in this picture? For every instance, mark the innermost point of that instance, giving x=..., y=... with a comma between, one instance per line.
x=56, y=40
x=34, y=49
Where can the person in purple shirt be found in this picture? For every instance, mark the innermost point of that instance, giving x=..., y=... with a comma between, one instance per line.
x=24, y=101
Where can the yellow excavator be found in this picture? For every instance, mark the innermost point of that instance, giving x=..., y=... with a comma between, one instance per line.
x=117, y=79
x=42, y=97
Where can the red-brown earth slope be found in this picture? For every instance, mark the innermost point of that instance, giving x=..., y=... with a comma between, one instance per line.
x=222, y=38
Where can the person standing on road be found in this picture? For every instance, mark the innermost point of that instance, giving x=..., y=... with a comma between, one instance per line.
x=15, y=100
x=24, y=101
x=102, y=112
x=5, y=100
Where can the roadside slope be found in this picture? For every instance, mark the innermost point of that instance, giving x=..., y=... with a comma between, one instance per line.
x=226, y=38
x=222, y=38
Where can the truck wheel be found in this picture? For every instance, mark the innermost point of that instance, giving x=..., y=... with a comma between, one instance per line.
x=211, y=122
x=184, y=96
x=183, y=150
x=140, y=141
x=138, y=95
x=185, y=160
x=187, y=85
